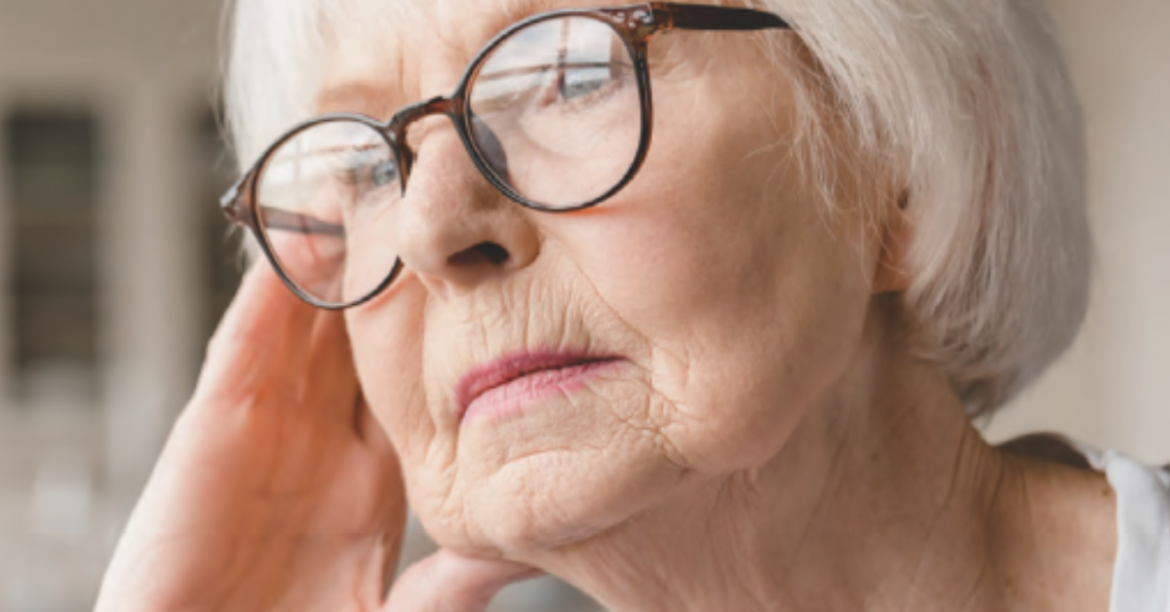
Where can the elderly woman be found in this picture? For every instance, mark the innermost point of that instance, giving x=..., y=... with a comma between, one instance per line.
x=689, y=305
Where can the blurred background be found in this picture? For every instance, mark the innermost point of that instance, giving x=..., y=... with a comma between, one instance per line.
x=115, y=264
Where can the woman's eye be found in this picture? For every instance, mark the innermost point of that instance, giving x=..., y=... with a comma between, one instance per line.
x=577, y=84
x=383, y=173
x=370, y=175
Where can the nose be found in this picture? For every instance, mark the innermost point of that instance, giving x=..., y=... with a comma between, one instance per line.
x=455, y=230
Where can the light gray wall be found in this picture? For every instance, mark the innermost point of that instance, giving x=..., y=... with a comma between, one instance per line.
x=69, y=473
x=1113, y=388
x=146, y=68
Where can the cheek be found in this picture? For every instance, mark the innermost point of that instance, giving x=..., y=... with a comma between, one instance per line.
x=744, y=338
x=751, y=297
x=387, y=340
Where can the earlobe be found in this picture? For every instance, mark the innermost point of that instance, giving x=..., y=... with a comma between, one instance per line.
x=893, y=271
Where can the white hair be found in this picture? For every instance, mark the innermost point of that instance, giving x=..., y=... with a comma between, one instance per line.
x=967, y=102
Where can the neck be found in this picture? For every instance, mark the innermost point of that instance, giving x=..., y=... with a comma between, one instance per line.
x=885, y=497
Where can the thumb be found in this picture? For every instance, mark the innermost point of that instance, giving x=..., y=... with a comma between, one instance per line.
x=450, y=582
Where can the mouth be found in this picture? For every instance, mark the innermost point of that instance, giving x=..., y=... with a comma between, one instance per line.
x=507, y=385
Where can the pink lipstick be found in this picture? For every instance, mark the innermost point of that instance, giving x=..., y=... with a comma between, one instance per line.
x=506, y=385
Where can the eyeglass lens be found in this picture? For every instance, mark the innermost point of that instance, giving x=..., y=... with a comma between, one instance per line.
x=561, y=98
x=554, y=114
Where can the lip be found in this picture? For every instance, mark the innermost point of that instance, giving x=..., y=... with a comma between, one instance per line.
x=506, y=385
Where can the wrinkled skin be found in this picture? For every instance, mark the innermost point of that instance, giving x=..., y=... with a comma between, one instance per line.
x=760, y=398
x=729, y=297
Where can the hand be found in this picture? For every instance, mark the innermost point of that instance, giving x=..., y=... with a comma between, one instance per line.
x=277, y=490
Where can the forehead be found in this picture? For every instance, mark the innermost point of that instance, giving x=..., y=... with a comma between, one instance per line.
x=383, y=55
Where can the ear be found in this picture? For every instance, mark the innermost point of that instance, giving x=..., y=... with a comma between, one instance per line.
x=893, y=270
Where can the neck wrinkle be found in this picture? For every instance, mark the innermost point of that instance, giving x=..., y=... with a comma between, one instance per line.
x=878, y=501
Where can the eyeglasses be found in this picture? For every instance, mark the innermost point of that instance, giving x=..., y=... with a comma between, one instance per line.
x=555, y=112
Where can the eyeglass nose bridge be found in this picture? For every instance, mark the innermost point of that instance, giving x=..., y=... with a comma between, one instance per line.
x=452, y=107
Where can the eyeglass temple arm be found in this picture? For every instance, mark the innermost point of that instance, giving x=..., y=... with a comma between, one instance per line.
x=236, y=208
x=279, y=219
x=235, y=203
x=703, y=17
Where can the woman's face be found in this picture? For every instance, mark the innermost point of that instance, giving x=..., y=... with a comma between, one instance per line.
x=544, y=377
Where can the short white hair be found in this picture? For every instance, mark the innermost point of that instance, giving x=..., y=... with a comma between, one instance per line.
x=968, y=104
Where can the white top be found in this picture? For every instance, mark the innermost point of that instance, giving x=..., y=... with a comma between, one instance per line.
x=1141, y=575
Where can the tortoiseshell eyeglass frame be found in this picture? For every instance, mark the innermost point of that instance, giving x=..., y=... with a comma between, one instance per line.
x=634, y=24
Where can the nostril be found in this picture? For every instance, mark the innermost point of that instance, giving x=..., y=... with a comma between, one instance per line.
x=493, y=252
x=484, y=251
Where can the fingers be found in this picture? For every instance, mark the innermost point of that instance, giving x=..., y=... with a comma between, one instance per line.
x=263, y=303
x=255, y=327
x=327, y=363
x=271, y=343
x=449, y=582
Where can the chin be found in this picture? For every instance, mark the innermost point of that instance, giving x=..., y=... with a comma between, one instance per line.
x=555, y=500
x=565, y=471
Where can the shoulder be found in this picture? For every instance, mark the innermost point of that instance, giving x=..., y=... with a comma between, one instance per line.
x=1141, y=572
x=1048, y=447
